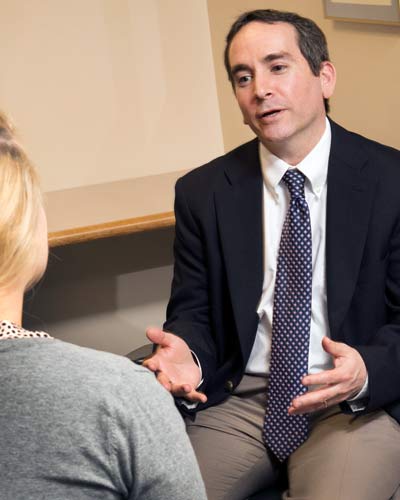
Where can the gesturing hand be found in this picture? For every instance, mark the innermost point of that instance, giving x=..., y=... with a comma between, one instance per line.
x=340, y=383
x=173, y=364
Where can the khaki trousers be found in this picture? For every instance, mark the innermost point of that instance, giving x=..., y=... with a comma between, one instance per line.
x=344, y=458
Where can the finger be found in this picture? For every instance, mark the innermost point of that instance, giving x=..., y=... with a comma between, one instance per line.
x=315, y=400
x=156, y=335
x=309, y=408
x=152, y=363
x=164, y=381
x=334, y=376
x=191, y=396
x=333, y=348
x=182, y=388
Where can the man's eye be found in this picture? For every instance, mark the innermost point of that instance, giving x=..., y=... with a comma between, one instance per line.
x=243, y=80
x=278, y=68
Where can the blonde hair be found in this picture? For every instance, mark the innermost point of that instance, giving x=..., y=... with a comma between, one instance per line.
x=20, y=206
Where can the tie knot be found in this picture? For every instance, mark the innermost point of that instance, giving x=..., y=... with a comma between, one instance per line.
x=294, y=181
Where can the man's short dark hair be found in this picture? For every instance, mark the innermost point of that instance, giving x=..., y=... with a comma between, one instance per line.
x=311, y=40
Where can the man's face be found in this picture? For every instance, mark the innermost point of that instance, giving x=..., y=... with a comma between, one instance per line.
x=280, y=98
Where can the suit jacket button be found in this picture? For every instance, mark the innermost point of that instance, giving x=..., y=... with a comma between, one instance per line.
x=229, y=385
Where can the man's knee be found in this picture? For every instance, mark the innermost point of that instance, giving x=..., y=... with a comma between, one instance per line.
x=347, y=458
x=232, y=468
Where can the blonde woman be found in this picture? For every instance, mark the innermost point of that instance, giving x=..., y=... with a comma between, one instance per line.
x=74, y=423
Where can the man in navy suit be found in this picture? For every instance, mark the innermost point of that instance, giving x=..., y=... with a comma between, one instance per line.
x=214, y=352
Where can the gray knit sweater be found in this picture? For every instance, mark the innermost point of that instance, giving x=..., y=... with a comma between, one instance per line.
x=77, y=424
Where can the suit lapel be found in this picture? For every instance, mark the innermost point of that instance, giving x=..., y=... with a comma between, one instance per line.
x=239, y=212
x=349, y=203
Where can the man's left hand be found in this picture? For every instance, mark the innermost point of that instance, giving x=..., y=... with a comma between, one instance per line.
x=341, y=383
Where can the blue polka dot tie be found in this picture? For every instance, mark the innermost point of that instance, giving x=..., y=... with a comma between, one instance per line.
x=282, y=432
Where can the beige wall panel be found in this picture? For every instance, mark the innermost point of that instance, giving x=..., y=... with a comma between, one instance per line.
x=103, y=90
x=135, y=301
x=104, y=293
x=367, y=98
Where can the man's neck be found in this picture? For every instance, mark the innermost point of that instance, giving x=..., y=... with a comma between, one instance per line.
x=294, y=151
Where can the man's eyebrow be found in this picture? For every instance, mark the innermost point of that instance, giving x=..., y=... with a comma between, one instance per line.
x=239, y=67
x=277, y=55
x=268, y=58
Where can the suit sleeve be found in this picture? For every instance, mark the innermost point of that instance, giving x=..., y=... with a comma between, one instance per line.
x=382, y=355
x=188, y=312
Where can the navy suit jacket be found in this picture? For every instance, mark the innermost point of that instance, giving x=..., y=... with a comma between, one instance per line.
x=218, y=272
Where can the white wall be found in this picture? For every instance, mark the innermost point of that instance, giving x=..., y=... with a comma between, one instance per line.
x=103, y=90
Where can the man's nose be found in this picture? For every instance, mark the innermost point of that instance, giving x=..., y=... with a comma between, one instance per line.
x=262, y=86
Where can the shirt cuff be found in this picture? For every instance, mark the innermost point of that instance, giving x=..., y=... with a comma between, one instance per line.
x=358, y=403
x=182, y=401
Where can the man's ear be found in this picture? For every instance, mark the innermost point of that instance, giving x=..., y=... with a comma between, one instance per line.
x=327, y=77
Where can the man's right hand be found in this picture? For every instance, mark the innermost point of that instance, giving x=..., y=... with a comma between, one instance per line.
x=173, y=364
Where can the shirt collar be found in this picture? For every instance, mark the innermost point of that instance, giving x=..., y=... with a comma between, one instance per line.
x=314, y=166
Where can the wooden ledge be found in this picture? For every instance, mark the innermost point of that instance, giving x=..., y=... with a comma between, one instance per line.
x=111, y=209
x=110, y=229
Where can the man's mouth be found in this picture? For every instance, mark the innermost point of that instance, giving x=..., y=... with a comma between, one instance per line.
x=270, y=113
